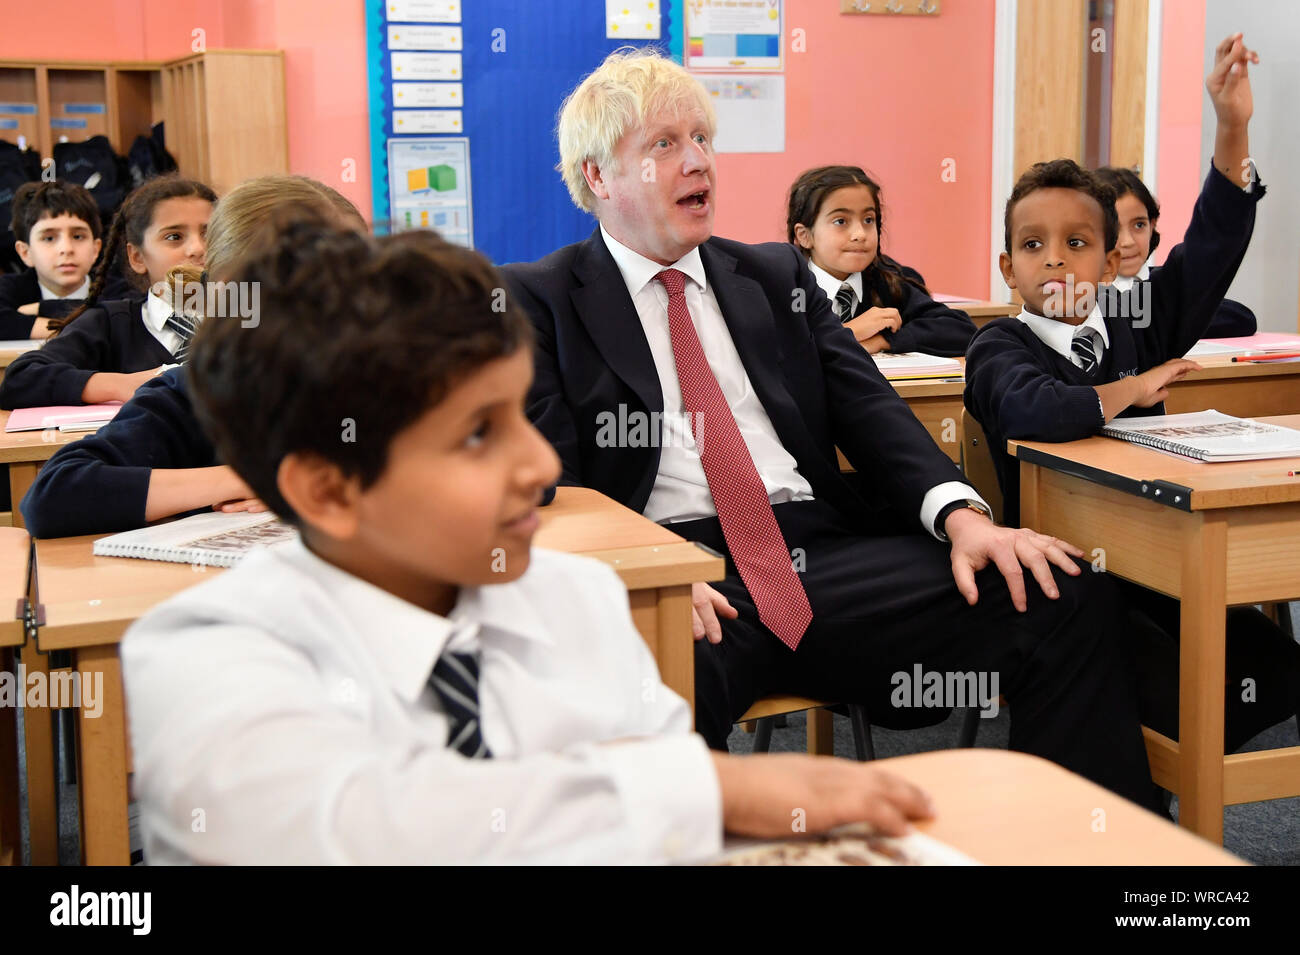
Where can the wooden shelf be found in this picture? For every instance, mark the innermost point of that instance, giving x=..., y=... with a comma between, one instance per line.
x=224, y=109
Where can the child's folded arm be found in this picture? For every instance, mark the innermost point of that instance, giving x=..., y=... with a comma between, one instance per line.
x=930, y=326
x=57, y=372
x=100, y=484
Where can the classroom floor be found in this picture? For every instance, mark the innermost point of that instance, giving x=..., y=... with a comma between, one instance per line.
x=1265, y=833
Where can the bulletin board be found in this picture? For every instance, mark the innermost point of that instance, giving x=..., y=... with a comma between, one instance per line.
x=515, y=62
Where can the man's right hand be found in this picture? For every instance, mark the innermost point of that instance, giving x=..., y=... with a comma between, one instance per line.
x=762, y=792
x=706, y=605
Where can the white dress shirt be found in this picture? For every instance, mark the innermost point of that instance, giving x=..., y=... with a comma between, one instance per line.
x=1058, y=335
x=82, y=291
x=155, y=313
x=1124, y=283
x=831, y=285
x=681, y=491
x=280, y=713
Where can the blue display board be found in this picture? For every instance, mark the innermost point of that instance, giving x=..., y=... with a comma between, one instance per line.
x=519, y=61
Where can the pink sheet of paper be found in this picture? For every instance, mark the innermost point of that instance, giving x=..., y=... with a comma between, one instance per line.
x=51, y=416
x=1261, y=341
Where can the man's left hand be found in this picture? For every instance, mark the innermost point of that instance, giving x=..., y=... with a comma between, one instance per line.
x=977, y=541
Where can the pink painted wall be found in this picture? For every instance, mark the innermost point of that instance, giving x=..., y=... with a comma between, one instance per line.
x=897, y=96
x=1182, y=96
x=325, y=62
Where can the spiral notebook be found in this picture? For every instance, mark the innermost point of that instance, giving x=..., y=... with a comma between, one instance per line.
x=1208, y=436
x=212, y=540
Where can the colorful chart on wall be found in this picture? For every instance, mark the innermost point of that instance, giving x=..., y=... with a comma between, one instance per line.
x=733, y=35
x=429, y=187
x=448, y=75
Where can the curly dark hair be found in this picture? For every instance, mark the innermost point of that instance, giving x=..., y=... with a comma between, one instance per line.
x=1065, y=174
x=349, y=329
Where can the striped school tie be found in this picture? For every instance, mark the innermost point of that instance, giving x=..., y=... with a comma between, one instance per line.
x=845, y=299
x=749, y=527
x=184, y=328
x=455, y=681
x=1087, y=347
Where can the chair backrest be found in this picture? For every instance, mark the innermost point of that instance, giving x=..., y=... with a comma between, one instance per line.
x=977, y=463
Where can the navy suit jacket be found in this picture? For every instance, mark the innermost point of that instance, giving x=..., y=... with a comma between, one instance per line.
x=818, y=385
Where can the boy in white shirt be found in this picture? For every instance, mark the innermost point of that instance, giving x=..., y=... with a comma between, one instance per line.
x=411, y=683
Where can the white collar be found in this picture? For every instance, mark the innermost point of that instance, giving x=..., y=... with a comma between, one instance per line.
x=156, y=312
x=1124, y=284
x=406, y=640
x=82, y=291
x=831, y=285
x=638, y=271
x=1058, y=335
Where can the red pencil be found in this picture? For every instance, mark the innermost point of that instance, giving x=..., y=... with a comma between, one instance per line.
x=1267, y=357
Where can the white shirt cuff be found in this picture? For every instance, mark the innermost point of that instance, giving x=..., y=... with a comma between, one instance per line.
x=670, y=790
x=940, y=496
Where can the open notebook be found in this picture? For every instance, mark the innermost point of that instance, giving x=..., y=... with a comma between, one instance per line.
x=213, y=540
x=1208, y=436
x=63, y=417
x=848, y=845
x=915, y=364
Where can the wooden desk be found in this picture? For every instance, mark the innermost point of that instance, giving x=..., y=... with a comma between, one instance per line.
x=1212, y=535
x=15, y=558
x=1238, y=388
x=1005, y=808
x=936, y=402
x=981, y=312
x=88, y=602
x=25, y=452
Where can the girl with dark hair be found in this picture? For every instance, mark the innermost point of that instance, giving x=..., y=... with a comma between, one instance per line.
x=834, y=216
x=106, y=349
x=1138, y=213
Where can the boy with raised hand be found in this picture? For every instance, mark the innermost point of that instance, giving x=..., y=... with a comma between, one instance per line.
x=1069, y=363
x=411, y=682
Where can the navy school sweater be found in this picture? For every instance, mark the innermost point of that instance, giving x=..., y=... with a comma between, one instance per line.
x=928, y=326
x=23, y=288
x=1018, y=388
x=98, y=485
x=109, y=337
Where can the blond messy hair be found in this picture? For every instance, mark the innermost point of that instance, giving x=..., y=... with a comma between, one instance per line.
x=247, y=211
x=629, y=87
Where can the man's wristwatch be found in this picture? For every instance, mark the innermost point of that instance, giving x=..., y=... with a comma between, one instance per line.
x=949, y=509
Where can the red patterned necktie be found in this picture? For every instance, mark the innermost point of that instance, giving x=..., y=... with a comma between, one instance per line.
x=757, y=546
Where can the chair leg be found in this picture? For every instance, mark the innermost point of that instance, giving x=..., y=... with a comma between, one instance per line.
x=861, y=733
x=1284, y=620
x=970, y=724
x=763, y=735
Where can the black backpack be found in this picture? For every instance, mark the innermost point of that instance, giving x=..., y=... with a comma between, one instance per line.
x=148, y=157
x=17, y=166
x=93, y=164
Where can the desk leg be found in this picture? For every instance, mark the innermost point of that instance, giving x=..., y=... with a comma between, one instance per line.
x=1201, y=676
x=38, y=723
x=101, y=763
x=675, y=654
x=21, y=477
x=10, y=823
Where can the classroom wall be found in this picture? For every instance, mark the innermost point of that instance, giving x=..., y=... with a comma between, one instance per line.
x=896, y=95
x=325, y=62
x=1269, y=278
x=1178, y=142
